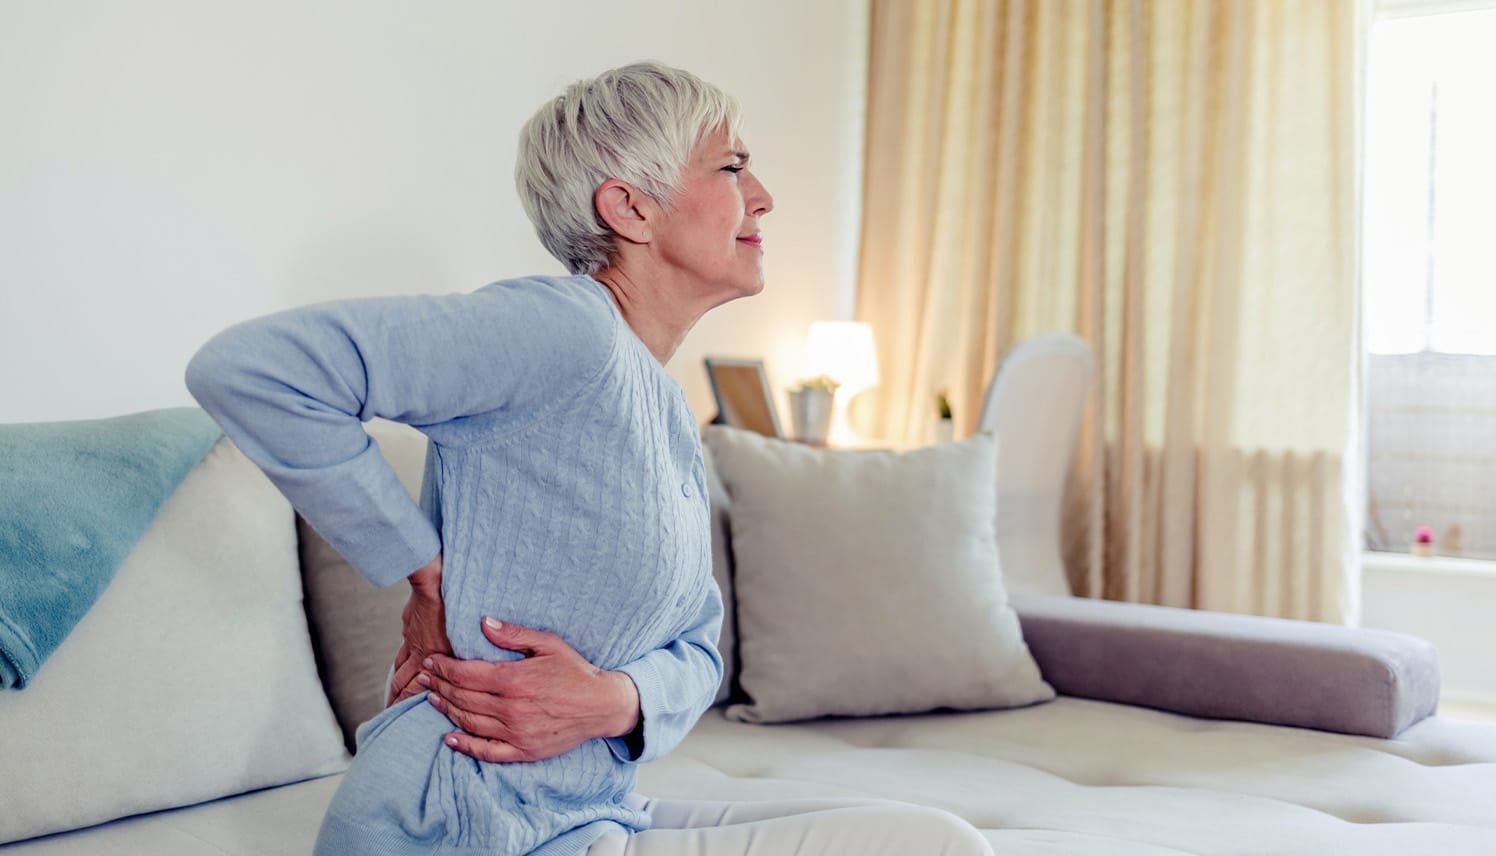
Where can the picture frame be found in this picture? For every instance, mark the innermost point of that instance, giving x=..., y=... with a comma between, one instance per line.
x=741, y=390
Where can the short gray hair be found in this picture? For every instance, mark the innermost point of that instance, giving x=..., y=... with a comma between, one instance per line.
x=639, y=124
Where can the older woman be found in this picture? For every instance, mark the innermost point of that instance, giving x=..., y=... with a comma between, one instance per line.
x=564, y=493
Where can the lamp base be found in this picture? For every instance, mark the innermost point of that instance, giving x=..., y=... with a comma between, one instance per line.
x=841, y=433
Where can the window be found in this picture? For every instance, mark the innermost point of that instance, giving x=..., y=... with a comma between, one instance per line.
x=1429, y=273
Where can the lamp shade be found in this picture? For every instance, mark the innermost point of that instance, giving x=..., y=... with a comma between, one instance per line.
x=843, y=350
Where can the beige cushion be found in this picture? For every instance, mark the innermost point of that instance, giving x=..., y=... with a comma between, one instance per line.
x=868, y=582
x=355, y=626
x=189, y=679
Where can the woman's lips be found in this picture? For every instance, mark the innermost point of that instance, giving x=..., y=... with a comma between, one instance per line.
x=754, y=240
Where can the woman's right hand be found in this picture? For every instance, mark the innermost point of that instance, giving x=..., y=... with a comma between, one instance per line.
x=423, y=626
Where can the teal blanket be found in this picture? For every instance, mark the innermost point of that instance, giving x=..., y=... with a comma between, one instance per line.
x=74, y=499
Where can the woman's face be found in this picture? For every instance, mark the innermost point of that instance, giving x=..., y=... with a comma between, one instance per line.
x=711, y=234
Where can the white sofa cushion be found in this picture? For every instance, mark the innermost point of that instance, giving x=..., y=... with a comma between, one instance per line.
x=190, y=678
x=279, y=821
x=867, y=582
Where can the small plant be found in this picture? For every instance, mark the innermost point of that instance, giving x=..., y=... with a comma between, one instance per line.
x=825, y=383
x=942, y=405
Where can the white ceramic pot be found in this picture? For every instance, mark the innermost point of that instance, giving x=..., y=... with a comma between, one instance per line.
x=810, y=415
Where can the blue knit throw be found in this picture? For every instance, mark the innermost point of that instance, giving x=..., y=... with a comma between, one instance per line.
x=75, y=497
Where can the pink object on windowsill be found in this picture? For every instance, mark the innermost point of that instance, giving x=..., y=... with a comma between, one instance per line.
x=1423, y=542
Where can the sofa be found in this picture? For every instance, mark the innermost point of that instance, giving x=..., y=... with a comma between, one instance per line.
x=206, y=703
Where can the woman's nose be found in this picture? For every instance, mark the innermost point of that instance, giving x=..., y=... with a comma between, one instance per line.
x=759, y=201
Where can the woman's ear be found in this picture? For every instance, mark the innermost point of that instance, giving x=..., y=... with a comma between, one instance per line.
x=626, y=209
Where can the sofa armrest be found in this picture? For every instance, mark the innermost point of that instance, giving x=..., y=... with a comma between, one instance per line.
x=1211, y=664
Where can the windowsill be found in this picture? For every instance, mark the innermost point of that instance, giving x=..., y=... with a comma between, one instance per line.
x=1408, y=563
x=1480, y=707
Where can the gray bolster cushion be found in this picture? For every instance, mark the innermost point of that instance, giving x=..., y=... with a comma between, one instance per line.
x=1223, y=666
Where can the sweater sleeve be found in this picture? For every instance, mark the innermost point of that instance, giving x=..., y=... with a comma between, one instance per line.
x=677, y=683
x=292, y=389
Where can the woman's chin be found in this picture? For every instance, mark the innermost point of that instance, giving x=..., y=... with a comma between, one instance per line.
x=751, y=288
x=736, y=290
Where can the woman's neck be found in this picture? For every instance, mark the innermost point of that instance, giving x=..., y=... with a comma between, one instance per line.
x=658, y=316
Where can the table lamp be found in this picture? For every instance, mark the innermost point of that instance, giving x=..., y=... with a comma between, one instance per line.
x=843, y=350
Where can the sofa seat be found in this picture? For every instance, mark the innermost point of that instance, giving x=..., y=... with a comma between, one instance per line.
x=1080, y=776
x=1068, y=776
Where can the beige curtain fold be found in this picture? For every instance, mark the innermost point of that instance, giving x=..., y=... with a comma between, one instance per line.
x=1174, y=181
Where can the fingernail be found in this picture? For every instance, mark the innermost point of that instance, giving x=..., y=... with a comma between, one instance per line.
x=423, y=680
x=452, y=741
x=426, y=663
x=493, y=623
x=436, y=700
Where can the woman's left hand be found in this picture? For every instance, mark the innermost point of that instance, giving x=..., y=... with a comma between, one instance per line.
x=525, y=710
x=423, y=626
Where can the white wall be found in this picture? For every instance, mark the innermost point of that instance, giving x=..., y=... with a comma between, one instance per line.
x=1449, y=602
x=168, y=168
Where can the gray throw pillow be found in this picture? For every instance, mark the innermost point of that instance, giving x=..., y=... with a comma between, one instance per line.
x=355, y=627
x=721, y=505
x=867, y=582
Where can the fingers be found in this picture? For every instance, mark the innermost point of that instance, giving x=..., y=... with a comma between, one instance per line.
x=478, y=675
x=476, y=724
x=407, y=666
x=463, y=698
x=490, y=677
x=404, y=693
x=402, y=657
x=515, y=637
x=492, y=751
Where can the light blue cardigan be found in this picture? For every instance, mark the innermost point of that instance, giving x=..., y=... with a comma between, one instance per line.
x=565, y=486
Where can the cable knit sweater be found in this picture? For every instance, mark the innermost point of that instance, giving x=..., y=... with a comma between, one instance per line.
x=565, y=486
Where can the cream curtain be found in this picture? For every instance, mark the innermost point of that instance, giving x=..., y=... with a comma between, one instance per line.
x=1175, y=182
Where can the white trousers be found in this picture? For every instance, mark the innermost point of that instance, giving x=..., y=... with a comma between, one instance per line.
x=823, y=826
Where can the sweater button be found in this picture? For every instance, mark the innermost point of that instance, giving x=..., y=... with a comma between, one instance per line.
x=685, y=489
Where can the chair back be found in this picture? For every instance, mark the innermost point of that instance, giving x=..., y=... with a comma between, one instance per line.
x=1034, y=405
